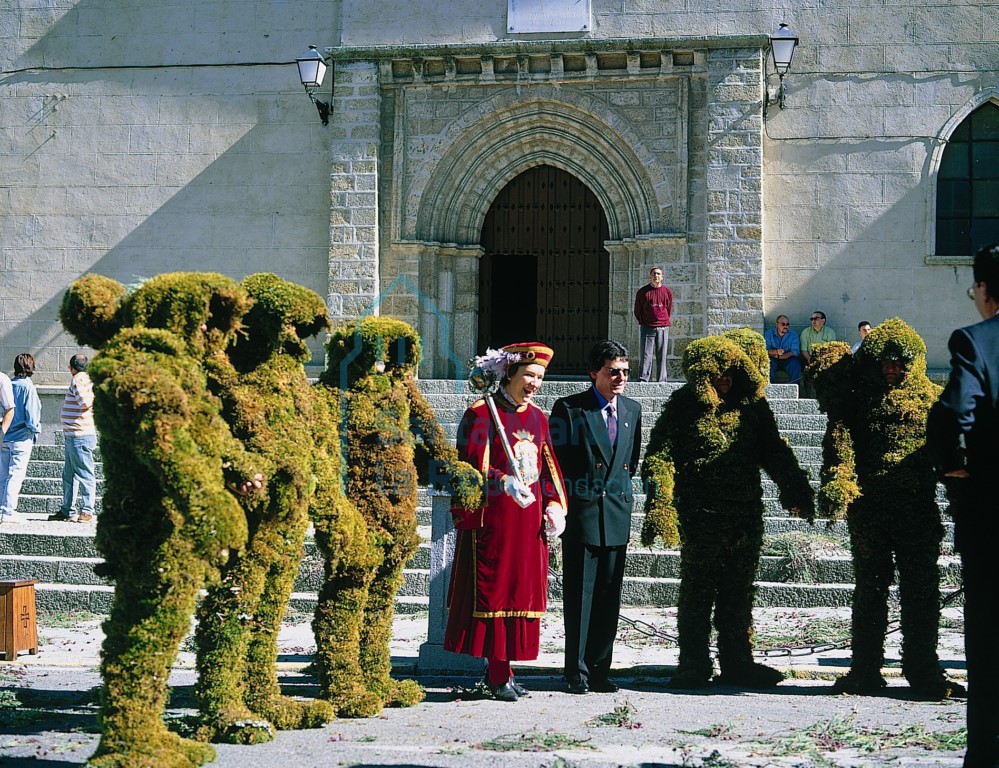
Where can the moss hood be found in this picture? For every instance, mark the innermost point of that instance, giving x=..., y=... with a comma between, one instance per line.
x=354, y=349
x=706, y=359
x=894, y=339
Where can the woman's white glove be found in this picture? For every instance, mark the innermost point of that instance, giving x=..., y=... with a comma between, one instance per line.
x=518, y=491
x=554, y=522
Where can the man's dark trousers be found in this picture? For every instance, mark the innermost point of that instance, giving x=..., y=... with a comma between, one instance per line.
x=969, y=408
x=980, y=570
x=591, y=598
x=598, y=479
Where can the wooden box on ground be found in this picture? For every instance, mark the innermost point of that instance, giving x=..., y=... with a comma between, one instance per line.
x=18, y=624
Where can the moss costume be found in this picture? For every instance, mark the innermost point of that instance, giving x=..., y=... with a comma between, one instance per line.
x=876, y=473
x=169, y=522
x=350, y=559
x=270, y=405
x=702, y=467
x=371, y=369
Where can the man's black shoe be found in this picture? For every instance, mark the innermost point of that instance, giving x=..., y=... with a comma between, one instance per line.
x=578, y=686
x=505, y=692
x=603, y=686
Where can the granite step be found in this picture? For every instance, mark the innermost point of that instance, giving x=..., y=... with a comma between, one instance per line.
x=62, y=556
x=63, y=564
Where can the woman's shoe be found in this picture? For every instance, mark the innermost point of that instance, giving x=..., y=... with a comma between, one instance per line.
x=505, y=692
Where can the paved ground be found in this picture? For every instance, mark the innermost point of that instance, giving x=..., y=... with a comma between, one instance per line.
x=47, y=709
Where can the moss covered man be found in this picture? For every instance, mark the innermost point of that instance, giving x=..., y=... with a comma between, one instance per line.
x=350, y=558
x=172, y=467
x=271, y=408
x=702, y=471
x=371, y=370
x=876, y=473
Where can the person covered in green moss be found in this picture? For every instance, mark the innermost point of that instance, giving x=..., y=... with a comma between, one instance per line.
x=270, y=406
x=877, y=473
x=829, y=371
x=371, y=368
x=754, y=345
x=172, y=471
x=350, y=560
x=702, y=471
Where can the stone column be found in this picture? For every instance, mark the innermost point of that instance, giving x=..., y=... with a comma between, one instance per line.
x=464, y=267
x=433, y=658
x=449, y=307
x=356, y=124
x=733, y=231
x=621, y=324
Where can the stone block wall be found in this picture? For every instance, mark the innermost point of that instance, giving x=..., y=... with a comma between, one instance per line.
x=460, y=127
x=733, y=248
x=850, y=164
x=138, y=138
x=353, y=263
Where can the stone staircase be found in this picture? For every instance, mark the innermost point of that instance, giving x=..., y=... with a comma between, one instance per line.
x=810, y=565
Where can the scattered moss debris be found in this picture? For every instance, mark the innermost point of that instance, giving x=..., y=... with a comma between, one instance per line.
x=842, y=733
x=68, y=619
x=723, y=731
x=534, y=741
x=819, y=631
x=715, y=760
x=622, y=716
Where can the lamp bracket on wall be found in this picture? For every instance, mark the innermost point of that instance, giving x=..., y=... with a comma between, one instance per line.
x=782, y=45
x=312, y=66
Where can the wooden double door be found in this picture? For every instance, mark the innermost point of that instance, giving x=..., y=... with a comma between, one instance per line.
x=544, y=275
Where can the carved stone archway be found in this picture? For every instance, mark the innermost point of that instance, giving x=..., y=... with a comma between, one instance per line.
x=444, y=210
x=544, y=271
x=485, y=155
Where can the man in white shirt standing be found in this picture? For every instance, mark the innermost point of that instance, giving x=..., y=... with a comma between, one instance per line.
x=863, y=328
x=80, y=438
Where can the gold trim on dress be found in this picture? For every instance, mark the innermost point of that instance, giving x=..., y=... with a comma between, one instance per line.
x=552, y=469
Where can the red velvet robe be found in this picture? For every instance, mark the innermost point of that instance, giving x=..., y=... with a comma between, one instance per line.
x=499, y=577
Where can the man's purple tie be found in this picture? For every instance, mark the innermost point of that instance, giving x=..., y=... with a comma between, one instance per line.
x=611, y=423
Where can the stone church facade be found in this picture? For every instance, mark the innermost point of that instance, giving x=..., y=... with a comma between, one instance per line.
x=478, y=181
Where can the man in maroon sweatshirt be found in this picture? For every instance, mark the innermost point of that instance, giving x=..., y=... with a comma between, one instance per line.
x=653, y=307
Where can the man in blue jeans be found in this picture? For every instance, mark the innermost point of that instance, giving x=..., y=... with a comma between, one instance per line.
x=80, y=437
x=783, y=349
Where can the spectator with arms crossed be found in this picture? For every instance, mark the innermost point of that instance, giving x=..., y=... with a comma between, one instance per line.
x=783, y=349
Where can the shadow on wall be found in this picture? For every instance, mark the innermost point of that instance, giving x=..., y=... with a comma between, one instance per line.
x=136, y=33
x=138, y=159
x=247, y=210
x=838, y=253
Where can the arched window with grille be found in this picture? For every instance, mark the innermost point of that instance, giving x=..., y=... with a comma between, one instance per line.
x=968, y=185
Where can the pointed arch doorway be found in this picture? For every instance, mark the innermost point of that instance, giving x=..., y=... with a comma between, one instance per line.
x=544, y=273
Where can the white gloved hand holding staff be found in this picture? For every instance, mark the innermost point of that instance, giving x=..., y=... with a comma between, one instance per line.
x=520, y=492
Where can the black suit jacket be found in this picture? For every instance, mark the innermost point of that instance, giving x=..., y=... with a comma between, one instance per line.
x=968, y=406
x=597, y=475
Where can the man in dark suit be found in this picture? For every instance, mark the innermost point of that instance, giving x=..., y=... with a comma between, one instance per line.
x=968, y=413
x=598, y=437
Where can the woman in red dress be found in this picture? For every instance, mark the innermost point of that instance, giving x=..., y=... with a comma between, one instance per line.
x=499, y=578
